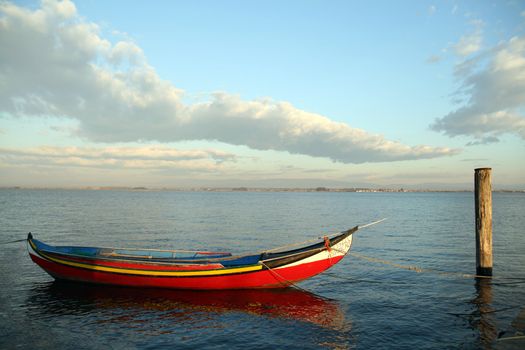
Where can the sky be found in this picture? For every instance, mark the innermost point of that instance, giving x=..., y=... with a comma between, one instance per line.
x=177, y=94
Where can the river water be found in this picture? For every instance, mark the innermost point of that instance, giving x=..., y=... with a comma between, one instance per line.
x=358, y=304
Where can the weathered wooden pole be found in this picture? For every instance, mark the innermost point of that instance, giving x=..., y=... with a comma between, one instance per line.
x=483, y=203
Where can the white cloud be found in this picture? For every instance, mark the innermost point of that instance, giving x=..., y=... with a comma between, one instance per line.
x=153, y=157
x=472, y=42
x=55, y=63
x=494, y=85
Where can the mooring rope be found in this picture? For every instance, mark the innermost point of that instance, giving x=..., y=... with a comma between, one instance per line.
x=15, y=241
x=321, y=237
x=513, y=307
x=287, y=283
x=372, y=223
x=418, y=269
x=511, y=338
x=303, y=242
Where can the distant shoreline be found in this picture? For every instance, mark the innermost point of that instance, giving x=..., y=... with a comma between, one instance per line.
x=250, y=189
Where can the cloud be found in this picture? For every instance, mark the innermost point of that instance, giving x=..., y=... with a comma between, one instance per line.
x=434, y=59
x=470, y=43
x=483, y=141
x=153, y=157
x=493, y=83
x=54, y=63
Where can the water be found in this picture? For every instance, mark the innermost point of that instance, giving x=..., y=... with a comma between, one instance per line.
x=357, y=304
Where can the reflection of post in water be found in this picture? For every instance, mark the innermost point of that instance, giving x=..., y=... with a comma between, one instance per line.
x=482, y=318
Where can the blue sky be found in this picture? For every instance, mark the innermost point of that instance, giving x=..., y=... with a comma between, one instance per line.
x=413, y=94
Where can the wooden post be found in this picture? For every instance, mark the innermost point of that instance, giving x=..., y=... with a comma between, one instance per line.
x=483, y=203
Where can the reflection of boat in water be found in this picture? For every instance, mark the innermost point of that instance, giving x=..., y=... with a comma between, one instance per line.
x=63, y=298
x=178, y=269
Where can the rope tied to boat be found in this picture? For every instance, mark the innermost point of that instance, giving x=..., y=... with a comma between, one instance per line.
x=386, y=262
x=318, y=238
x=372, y=223
x=15, y=241
x=328, y=249
x=418, y=269
x=29, y=236
x=287, y=283
x=327, y=244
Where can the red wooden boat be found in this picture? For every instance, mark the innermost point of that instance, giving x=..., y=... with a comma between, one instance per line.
x=189, y=269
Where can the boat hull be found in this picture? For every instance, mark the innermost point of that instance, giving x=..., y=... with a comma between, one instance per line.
x=283, y=277
x=259, y=275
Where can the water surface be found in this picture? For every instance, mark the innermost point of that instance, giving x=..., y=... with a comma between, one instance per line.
x=357, y=304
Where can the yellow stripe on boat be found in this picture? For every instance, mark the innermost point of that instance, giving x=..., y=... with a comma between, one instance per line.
x=151, y=272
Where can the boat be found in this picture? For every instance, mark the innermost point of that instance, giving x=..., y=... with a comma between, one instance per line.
x=185, y=269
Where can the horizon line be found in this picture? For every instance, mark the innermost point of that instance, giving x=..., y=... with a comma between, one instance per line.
x=251, y=189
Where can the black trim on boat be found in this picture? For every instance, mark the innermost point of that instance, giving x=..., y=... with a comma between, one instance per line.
x=273, y=260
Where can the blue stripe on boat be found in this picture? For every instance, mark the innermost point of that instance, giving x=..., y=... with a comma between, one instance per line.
x=86, y=251
x=245, y=260
x=92, y=251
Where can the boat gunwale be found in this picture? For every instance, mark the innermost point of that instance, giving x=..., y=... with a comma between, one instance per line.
x=117, y=259
x=264, y=256
x=143, y=259
x=225, y=270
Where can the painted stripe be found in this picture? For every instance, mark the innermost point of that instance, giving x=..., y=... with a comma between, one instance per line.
x=134, y=266
x=149, y=272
